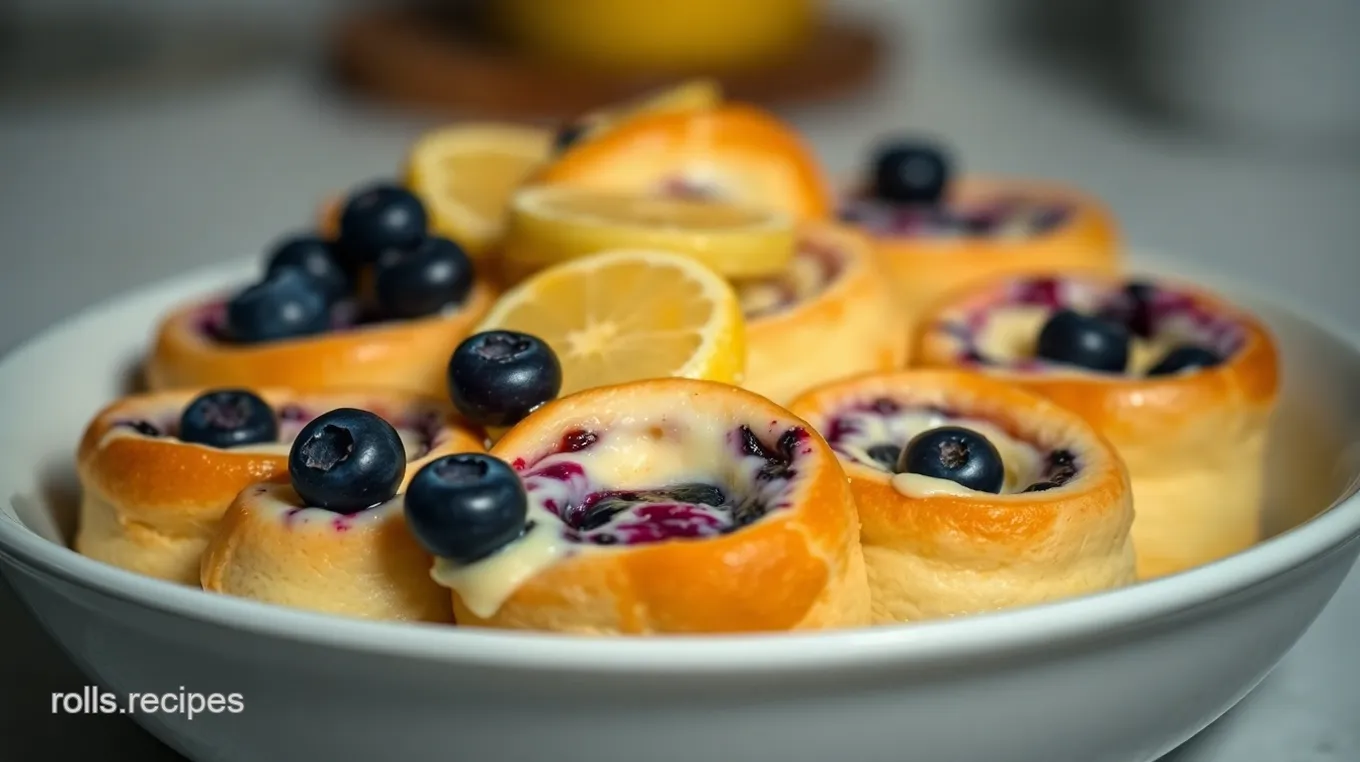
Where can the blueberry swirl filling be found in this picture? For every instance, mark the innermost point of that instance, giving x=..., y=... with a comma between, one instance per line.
x=910, y=197
x=1003, y=217
x=1137, y=328
x=492, y=525
x=815, y=268
x=573, y=485
x=929, y=444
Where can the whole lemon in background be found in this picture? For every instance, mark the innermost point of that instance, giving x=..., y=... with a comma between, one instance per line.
x=658, y=35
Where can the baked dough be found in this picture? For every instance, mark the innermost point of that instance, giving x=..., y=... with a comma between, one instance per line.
x=730, y=152
x=272, y=548
x=670, y=506
x=924, y=265
x=935, y=548
x=1194, y=442
x=832, y=314
x=151, y=503
x=405, y=355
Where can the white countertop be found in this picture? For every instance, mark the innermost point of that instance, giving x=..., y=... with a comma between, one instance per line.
x=102, y=198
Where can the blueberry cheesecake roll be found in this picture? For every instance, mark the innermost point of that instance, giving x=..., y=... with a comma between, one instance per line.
x=1181, y=382
x=382, y=305
x=974, y=495
x=657, y=506
x=934, y=231
x=332, y=536
x=831, y=313
x=158, y=470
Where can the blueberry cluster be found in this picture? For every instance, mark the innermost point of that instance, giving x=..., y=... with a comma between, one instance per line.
x=466, y=507
x=383, y=235
x=1101, y=342
x=462, y=507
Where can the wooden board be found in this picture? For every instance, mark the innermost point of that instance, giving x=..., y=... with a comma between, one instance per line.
x=441, y=60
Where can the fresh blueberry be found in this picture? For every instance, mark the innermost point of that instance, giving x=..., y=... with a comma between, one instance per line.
x=885, y=455
x=466, y=507
x=1071, y=338
x=314, y=257
x=1183, y=358
x=569, y=135
x=498, y=377
x=960, y=455
x=1138, y=296
x=1139, y=291
x=145, y=428
x=910, y=173
x=347, y=460
x=600, y=508
x=228, y=418
x=380, y=218
x=1042, y=486
x=283, y=305
x=413, y=284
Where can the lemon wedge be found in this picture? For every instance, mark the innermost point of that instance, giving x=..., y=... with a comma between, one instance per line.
x=549, y=225
x=627, y=315
x=466, y=175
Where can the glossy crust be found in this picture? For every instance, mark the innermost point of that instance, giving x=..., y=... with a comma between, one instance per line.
x=755, y=158
x=799, y=568
x=272, y=549
x=944, y=555
x=150, y=505
x=852, y=327
x=922, y=269
x=408, y=355
x=1194, y=443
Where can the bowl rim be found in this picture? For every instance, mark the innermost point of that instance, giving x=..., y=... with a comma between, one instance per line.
x=934, y=642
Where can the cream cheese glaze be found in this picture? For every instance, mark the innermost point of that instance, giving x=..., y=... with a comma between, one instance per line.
x=866, y=429
x=873, y=435
x=1004, y=332
x=688, y=478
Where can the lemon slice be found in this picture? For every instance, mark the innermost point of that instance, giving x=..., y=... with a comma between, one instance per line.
x=553, y=224
x=628, y=315
x=467, y=174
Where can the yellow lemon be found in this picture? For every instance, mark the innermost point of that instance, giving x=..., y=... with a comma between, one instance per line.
x=466, y=175
x=627, y=315
x=552, y=224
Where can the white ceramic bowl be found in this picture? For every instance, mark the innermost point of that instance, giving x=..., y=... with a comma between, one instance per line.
x=1116, y=677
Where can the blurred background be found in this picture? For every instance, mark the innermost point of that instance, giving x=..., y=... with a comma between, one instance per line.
x=142, y=138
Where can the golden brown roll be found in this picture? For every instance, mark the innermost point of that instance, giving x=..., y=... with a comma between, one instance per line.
x=1038, y=510
x=832, y=314
x=732, y=151
x=986, y=226
x=272, y=547
x=406, y=355
x=151, y=501
x=1192, y=431
x=670, y=506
